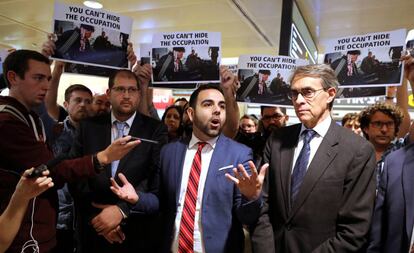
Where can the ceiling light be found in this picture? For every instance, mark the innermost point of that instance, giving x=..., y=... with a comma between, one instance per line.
x=93, y=4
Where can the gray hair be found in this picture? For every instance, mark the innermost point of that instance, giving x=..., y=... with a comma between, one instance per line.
x=322, y=71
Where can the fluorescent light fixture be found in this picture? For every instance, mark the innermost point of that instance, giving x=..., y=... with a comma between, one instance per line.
x=93, y=4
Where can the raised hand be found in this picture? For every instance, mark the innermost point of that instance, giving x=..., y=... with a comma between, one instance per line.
x=132, y=58
x=48, y=47
x=143, y=73
x=126, y=192
x=228, y=80
x=117, y=150
x=28, y=188
x=249, y=185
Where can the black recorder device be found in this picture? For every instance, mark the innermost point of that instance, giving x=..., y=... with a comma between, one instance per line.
x=38, y=171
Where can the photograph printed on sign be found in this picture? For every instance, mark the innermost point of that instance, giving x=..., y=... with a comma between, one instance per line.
x=90, y=37
x=264, y=78
x=187, y=57
x=369, y=60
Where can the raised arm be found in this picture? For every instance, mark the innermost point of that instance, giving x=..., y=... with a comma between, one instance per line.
x=229, y=86
x=12, y=217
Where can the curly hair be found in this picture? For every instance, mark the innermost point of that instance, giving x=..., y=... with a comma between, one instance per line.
x=390, y=110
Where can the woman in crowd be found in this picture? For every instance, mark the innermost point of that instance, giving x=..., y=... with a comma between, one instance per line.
x=173, y=119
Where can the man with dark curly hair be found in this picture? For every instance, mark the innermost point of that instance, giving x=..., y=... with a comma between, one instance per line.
x=380, y=124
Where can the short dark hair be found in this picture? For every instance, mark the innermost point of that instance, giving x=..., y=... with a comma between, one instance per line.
x=194, y=95
x=181, y=99
x=282, y=109
x=76, y=87
x=388, y=109
x=124, y=73
x=18, y=62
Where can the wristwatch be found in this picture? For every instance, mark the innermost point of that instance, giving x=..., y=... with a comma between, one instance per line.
x=98, y=167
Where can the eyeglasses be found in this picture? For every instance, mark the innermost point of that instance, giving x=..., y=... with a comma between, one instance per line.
x=272, y=116
x=307, y=93
x=120, y=89
x=380, y=124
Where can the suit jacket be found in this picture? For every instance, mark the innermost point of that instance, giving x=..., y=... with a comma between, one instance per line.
x=140, y=168
x=333, y=209
x=223, y=207
x=393, y=219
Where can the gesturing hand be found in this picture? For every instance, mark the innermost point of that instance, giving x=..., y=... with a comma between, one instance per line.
x=249, y=185
x=126, y=192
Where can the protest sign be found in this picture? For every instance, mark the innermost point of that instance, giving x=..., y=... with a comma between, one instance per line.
x=92, y=37
x=367, y=60
x=186, y=57
x=145, y=53
x=264, y=78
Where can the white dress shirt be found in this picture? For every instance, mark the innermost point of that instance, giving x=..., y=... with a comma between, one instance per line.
x=321, y=129
x=206, y=155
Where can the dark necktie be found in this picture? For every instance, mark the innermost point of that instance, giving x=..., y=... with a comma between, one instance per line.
x=186, y=235
x=299, y=170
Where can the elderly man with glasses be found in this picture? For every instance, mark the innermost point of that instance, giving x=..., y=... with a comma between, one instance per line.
x=320, y=188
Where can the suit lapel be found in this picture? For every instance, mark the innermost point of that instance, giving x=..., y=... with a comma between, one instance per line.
x=216, y=162
x=178, y=161
x=107, y=132
x=323, y=157
x=408, y=189
x=286, y=159
x=134, y=130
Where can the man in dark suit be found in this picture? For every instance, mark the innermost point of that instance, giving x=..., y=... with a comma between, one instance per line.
x=320, y=188
x=203, y=211
x=100, y=212
x=393, y=221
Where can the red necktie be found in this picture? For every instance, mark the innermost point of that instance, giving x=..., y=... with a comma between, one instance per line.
x=186, y=235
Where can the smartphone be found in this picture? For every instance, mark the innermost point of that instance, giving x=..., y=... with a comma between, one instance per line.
x=142, y=139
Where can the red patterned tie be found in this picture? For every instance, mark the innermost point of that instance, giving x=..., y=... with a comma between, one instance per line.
x=186, y=235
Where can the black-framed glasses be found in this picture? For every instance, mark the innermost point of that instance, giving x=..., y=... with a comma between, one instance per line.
x=272, y=116
x=121, y=89
x=380, y=124
x=307, y=93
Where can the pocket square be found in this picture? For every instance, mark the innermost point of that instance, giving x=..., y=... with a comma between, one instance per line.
x=226, y=167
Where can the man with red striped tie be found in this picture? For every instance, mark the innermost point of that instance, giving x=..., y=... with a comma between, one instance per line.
x=203, y=210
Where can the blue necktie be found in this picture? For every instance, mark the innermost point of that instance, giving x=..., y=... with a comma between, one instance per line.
x=120, y=126
x=299, y=170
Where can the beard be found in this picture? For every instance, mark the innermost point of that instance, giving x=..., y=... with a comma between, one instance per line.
x=205, y=128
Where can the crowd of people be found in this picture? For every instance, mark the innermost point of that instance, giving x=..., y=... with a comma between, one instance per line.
x=201, y=178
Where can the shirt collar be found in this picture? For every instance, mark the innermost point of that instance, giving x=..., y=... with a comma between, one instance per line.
x=321, y=129
x=194, y=140
x=128, y=121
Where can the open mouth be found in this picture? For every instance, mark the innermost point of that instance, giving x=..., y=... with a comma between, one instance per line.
x=215, y=123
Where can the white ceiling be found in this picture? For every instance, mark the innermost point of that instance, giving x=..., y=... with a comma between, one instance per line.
x=24, y=23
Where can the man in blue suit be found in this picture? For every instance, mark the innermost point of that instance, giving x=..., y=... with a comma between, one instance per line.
x=212, y=222
x=393, y=221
